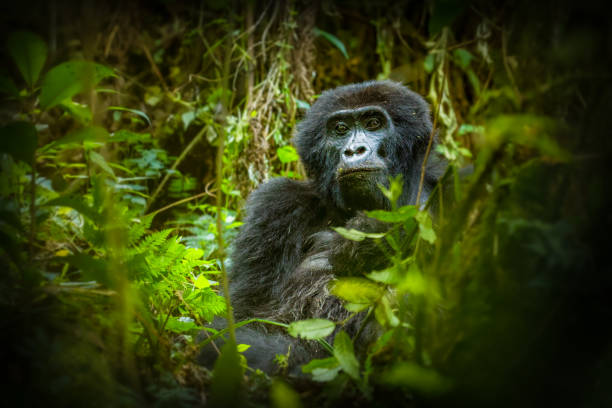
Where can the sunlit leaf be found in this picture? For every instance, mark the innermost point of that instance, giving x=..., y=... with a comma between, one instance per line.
x=344, y=353
x=384, y=313
x=287, y=154
x=70, y=78
x=425, y=227
x=311, y=329
x=356, y=290
x=243, y=347
x=20, y=140
x=201, y=282
x=413, y=282
x=29, y=52
x=80, y=112
x=180, y=324
x=400, y=215
x=355, y=235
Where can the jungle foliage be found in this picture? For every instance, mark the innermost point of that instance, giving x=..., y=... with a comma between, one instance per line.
x=132, y=132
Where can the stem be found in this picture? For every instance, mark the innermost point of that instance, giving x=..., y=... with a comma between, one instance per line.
x=219, y=181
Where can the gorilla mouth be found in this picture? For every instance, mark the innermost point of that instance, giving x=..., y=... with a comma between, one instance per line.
x=357, y=171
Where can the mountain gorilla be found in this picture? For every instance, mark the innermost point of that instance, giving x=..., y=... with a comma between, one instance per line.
x=352, y=139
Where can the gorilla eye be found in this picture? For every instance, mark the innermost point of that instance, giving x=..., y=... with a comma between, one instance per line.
x=372, y=124
x=341, y=128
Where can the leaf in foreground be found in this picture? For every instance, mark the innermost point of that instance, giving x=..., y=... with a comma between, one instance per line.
x=311, y=329
x=344, y=353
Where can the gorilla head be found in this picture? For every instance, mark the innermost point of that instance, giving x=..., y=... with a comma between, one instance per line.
x=356, y=136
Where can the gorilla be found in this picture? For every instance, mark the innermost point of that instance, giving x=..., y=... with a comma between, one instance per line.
x=352, y=139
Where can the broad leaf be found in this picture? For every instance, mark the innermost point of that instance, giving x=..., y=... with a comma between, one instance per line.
x=357, y=290
x=70, y=78
x=355, y=235
x=417, y=378
x=29, y=52
x=425, y=227
x=311, y=329
x=98, y=159
x=322, y=370
x=400, y=215
x=287, y=154
x=344, y=353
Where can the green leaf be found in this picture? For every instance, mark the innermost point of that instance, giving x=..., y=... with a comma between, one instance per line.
x=344, y=353
x=425, y=227
x=302, y=104
x=29, y=52
x=311, y=329
x=202, y=282
x=287, y=154
x=463, y=57
x=226, y=387
x=180, y=324
x=428, y=63
x=413, y=282
x=332, y=39
x=283, y=396
x=355, y=235
x=20, y=140
x=384, y=313
x=357, y=290
x=76, y=203
x=322, y=370
x=135, y=112
x=68, y=79
x=416, y=378
x=400, y=215
x=80, y=112
x=98, y=159
x=84, y=134
x=243, y=347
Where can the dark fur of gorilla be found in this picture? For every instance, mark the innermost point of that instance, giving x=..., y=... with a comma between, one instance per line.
x=352, y=138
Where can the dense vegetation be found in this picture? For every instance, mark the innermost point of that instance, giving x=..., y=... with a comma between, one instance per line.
x=132, y=132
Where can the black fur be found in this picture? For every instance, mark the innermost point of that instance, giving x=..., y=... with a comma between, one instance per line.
x=287, y=253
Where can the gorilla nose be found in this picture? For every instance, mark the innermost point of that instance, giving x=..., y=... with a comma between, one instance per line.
x=356, y=152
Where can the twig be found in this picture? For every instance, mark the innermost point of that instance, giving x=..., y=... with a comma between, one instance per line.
x=179, y=202
x=178, y=161
x=154, y=67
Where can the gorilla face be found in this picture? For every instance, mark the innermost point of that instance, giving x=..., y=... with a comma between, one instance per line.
x=358, y=137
